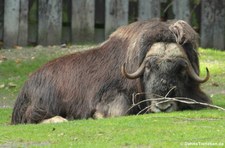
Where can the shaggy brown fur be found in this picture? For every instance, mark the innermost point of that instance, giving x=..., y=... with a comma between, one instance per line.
x=79, y=85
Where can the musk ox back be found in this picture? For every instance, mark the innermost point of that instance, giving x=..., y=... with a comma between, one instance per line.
x=153, y=57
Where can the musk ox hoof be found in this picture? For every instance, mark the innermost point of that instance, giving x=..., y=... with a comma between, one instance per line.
x=56, y=119
x=98, y=115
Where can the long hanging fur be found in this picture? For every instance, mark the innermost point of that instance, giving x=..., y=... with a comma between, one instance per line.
x=72, y=86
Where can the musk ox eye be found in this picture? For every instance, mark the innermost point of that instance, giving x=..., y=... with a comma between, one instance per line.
x=147, y=65
x=183, y=72
x=181, y=68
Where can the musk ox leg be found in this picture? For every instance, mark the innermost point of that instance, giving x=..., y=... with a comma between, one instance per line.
x=112, y=107
x=20, y=109
x=56, y=119
x=25, y=111
x=40, y=115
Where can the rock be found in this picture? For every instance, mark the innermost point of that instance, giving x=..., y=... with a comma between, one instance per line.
x=11, y=85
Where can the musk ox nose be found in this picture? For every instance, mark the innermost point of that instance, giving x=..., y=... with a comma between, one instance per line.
x=163, y=106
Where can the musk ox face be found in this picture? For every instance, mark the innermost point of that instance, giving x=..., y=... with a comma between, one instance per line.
x=166, y=72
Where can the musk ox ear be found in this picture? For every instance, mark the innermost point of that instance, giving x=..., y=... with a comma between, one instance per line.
x=184, y=33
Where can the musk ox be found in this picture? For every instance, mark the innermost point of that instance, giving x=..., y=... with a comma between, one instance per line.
x=146, y=56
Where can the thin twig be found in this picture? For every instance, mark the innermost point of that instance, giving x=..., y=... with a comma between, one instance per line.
x=133, y=98
x=146, y=100
x=201, y=103
x=190, y=101
x=146, y=108
x=174, y=87
x=144, y=93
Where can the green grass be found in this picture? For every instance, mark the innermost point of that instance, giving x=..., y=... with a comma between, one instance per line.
x=215, y=61
x=177, y=129
x=22, y=62
x=158, y=130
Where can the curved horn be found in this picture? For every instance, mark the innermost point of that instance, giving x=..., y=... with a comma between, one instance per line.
x=194, y=76
x=136, y=74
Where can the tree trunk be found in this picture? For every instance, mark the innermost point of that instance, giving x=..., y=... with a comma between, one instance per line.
x=148, y=9
x=181, y=10
x=219, y=25
x=116, y=15
x=11, y=22
x=83, y=20
x=50, y=22
x=213, y=24
x=23, y=23
x=1, y=18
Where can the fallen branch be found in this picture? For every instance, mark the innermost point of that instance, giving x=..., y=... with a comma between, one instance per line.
x=190, y=101
x=168, y=99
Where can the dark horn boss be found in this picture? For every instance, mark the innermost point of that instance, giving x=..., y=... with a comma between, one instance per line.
x=152, y=56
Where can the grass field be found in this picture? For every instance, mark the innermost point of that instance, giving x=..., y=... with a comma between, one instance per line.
x=202, y=128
